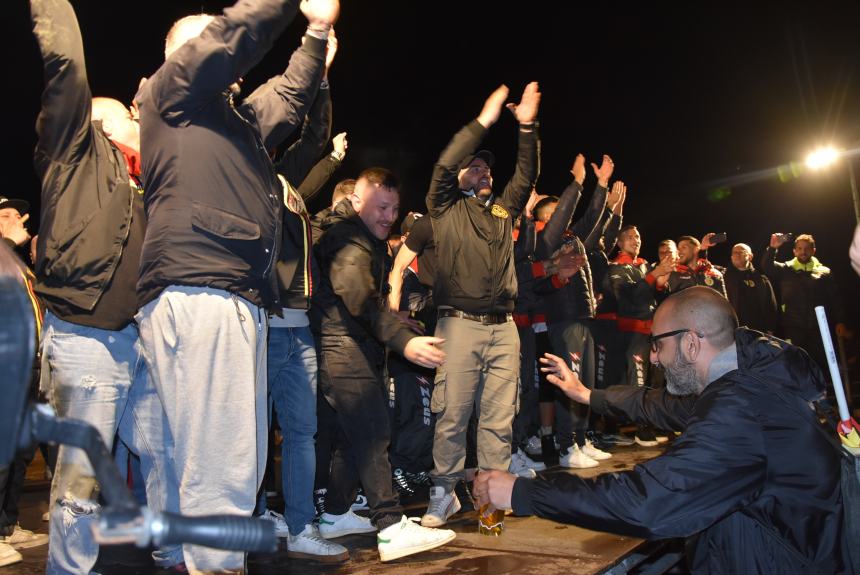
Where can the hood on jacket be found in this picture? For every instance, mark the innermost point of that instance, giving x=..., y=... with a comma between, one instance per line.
x=775, y=360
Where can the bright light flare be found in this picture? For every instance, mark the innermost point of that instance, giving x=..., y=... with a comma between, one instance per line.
x=822, y=158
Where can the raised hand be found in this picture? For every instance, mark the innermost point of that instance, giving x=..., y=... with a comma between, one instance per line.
x=617, y=194
x=530, y=205
x=526, y=111
x=340, y=144
x=320, y=13
x=330, y=50
x=776, y=240
x=493, y=106
x=604, y=172
x=578, y=169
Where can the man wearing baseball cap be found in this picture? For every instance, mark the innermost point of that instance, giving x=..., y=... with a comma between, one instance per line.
x=13, y=215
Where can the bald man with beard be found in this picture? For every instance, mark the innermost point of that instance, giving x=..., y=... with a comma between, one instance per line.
x=750, y=482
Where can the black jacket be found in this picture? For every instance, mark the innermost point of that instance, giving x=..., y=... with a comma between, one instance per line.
x=351, y=299
x=751, y=482
x=297, y=271
x=703, y=274
x=575, y=300
x=212, y=197
x=800, y=292
x=751, y=294
x=87, y=199
x=474, y=244
x=633, y=286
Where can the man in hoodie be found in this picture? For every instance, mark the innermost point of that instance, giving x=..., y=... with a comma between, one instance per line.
x=351, y=316
x=751, y=482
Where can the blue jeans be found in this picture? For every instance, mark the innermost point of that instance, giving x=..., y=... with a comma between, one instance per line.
x=292, y=372
x=86, y=372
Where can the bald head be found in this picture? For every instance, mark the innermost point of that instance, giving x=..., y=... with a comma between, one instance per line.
x=184, y=30
x=702, y=310
x=118, y=122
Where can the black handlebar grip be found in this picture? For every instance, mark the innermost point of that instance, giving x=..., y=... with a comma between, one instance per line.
x=217, y=531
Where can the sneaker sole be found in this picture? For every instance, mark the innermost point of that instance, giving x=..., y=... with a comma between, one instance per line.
x=569, y=465
x=28, y=544
x=345, y=532
x=385, y=555
x=600, y=457
x=645, y=443
x=339, y=558
x=433, y=521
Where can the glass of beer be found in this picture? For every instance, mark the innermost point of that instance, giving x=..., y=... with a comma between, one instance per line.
x=491, y=523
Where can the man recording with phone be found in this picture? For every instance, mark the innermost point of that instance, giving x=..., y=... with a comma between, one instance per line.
x=692, y=270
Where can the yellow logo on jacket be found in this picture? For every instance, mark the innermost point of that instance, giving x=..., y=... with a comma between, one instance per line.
x=499, y=211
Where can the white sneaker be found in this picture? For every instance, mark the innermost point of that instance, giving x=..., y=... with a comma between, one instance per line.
x=24, y=538
x=576, y=459
x=309, y=544
x=523, y=466
x=594, y=453
x=407, y=537
x=334, y=526
x=8, y=555
x=442, y=506
x=532, y=446
x=281, y=529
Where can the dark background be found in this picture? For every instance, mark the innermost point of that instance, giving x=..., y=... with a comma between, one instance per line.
x=703, y=106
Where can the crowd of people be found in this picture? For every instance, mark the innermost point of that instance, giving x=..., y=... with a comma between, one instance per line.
x=191, y=304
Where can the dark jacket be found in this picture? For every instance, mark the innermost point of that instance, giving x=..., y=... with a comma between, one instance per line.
x=575, y=300
x=212, y=197
x=474, y=243
x=751, y=482
x=800, y=292
x=297, y=271
x=703, y=274
x=751, y=294
x=633, y=286
x=351, y=299
x=87, y=199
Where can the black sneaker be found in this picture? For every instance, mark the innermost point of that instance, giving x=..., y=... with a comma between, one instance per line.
x=549, y=448
x=319, y=501
x=464, y=494
x=400, y=481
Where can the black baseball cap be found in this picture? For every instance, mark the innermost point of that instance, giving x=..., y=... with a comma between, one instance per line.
x=20, y=205
x=485, y=155
x=409, y=221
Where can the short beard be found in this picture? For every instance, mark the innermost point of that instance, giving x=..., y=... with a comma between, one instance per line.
x=681, y=377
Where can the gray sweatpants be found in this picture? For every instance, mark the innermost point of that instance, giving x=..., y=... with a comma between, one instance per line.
x=206, y=354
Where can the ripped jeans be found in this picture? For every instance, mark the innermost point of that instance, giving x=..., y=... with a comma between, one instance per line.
x=86, y=372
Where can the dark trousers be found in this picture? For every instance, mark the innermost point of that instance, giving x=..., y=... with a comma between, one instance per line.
x=572, y=342
x=352, y=380
x=526, y=418
x=637, y=357
x=412, y=422
x=11, y=483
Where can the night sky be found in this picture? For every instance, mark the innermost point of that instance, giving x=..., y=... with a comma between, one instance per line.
x=697, y=103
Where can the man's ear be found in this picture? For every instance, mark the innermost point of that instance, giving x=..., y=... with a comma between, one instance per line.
x=691, y=346
x=356, y=202
x=107, y=126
